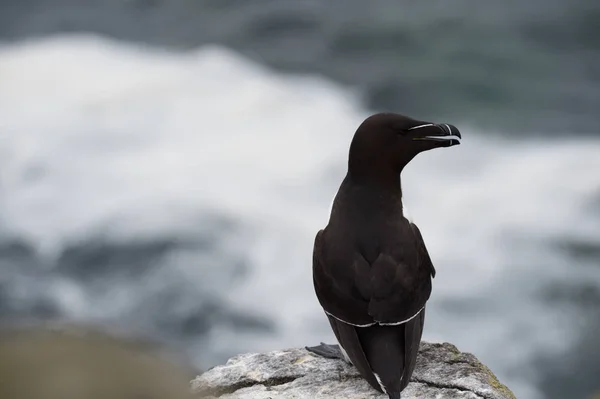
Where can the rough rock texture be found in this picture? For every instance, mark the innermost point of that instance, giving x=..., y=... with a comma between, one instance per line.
x=442, y=372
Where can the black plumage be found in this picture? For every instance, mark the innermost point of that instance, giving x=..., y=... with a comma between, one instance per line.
x=371, y=270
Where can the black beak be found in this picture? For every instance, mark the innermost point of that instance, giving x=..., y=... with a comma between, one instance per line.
x=451, y=130
x=447, y=135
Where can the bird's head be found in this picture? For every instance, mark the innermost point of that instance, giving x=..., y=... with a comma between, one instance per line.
x=386, y=142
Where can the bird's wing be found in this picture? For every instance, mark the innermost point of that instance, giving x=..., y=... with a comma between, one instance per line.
x=400, y=288
x=388, y=291
x=345, y=308
x=336, y=284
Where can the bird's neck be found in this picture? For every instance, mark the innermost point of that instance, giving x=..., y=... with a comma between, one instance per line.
x=376, y=171
x=379, y=180
x=377, y=191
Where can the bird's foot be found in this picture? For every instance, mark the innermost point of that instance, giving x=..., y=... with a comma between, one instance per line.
x=326, y=350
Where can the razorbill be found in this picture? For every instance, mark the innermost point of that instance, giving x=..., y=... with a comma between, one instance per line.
x=371, y=270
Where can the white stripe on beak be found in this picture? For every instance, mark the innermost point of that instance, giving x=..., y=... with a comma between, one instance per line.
x=420, y=126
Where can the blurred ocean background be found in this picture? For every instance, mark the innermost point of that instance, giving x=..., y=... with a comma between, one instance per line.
x=165, y=165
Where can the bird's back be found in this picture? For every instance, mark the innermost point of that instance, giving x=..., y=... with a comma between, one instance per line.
x=371, y=282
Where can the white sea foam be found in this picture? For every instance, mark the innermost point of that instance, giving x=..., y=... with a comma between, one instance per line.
x=96, y=135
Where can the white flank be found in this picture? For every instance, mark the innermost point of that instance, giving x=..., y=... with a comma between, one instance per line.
x=405, y=212
x=380, y=383
x=344, y=353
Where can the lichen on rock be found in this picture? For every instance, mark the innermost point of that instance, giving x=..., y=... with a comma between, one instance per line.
x=442, y=372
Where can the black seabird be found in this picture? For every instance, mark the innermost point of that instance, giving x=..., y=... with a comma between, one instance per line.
x=371, y=270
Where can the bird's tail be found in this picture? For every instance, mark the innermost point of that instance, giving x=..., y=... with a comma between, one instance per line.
x=394, y=395
x=384, y=349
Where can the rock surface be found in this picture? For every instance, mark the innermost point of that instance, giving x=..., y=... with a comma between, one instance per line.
x=442, y=372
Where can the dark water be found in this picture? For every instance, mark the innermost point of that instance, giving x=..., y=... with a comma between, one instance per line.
x=513, y=69
x=522, y=68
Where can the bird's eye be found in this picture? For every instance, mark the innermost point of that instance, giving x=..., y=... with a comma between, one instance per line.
x=401, y=131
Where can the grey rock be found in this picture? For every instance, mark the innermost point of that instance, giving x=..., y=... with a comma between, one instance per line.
x=442, y=372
